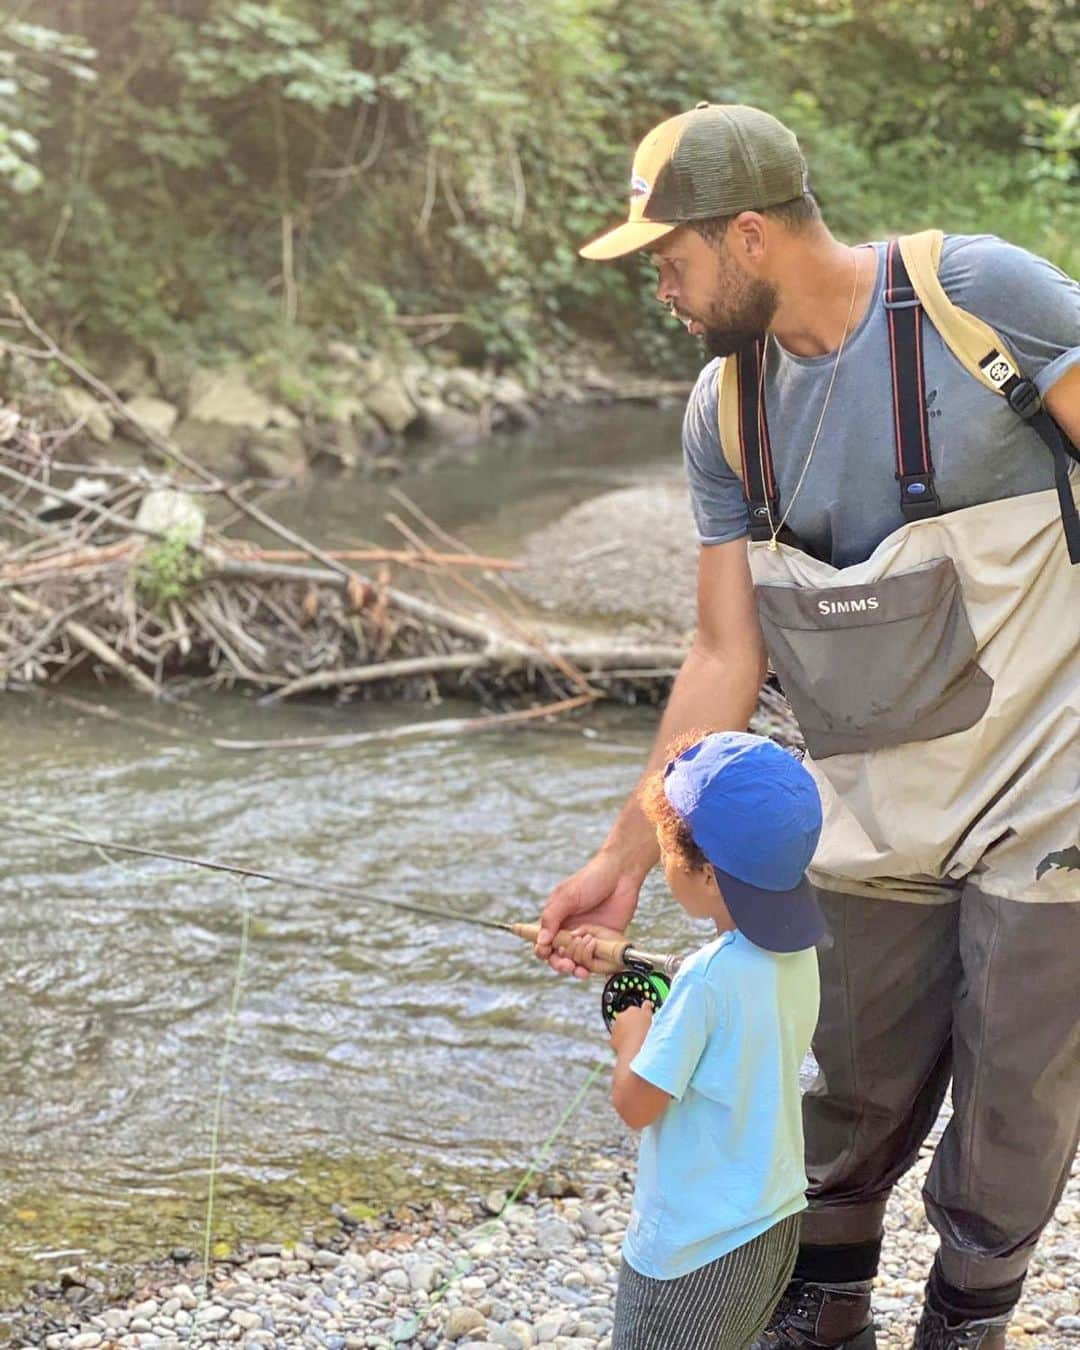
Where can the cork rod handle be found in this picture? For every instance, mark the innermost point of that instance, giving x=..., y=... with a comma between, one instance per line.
x=606, y=949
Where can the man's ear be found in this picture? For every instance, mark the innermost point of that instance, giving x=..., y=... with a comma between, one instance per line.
x=746, y=236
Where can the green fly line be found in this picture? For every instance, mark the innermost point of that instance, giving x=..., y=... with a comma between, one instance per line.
x=105, y=847
x=231, y=1019
x=408, y=1330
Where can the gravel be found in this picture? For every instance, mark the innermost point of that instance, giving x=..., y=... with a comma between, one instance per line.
x=541, y=1275
x=629, y=555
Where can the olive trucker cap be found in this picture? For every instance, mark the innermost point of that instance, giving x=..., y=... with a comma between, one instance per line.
x=717, y=160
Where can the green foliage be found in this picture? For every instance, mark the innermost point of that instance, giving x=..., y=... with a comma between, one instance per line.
x=215, y=174
x=168, y=570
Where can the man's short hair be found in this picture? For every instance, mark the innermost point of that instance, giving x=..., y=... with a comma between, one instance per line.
x=794, y=215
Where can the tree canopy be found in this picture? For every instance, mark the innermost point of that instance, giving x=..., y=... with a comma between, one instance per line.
x=216, y=173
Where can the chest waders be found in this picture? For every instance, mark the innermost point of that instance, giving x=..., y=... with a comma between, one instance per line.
x=937, y=685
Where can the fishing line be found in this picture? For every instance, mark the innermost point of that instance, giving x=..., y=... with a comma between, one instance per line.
x=409, y=1330
x=259, y=874
x=620, y=953
x=231, y=1020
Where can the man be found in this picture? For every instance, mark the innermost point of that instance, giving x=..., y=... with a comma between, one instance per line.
x=895, y=545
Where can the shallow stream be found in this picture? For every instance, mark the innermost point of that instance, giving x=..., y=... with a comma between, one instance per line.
x=373, y=1058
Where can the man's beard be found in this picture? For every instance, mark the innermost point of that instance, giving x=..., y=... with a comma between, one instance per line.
x=748, y=326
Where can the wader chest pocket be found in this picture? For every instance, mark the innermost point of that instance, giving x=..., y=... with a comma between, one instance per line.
x=877, y=664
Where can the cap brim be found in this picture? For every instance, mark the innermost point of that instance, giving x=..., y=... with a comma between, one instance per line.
x=625, y=238
x=778, y=921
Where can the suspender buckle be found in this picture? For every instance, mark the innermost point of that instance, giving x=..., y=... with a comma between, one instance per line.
x=761, y=519
x=1024, y=399
x=901, y=297
x=918, y=500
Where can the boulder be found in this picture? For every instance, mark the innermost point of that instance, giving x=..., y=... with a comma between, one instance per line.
x=510, y=393
x=277, y=453
x=392, y=405
x=174, y=371
x=280, y=416
x=344, y=354
x=217, y=447
x=418, y=382
x=450, y=426
x=225, y=396
x=372, y=371
x=465, y=388
x=153, y=413
x=81, y=406
x=131, y=376
x=170, y=512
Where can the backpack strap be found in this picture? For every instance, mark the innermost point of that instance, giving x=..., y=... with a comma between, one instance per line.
x=987, y=359
x=975, y=345
x=754, y=449
x=914, y=466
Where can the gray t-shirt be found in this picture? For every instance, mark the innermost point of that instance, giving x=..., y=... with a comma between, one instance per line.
x=982, y=451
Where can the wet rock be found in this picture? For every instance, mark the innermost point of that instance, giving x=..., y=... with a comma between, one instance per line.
x=224, y=395
x=391, y=404
x=278, y=453
x=170, y=512
x=81, y=406
x=446, y=425
x=156, y=414
x=218, y=447
x=465, y=388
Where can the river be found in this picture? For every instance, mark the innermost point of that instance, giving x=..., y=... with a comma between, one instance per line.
x=372, y=1058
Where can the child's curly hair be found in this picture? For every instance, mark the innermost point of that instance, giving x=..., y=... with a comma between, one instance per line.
x=672, y=831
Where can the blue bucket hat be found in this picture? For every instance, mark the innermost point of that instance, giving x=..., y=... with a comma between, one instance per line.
x=755, y=812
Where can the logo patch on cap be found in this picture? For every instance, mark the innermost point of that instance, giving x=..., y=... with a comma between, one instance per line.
x=638, y=186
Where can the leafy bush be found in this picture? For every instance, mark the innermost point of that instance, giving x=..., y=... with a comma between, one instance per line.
x=212, y=173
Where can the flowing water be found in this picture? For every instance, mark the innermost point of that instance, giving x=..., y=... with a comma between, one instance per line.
x=374, y=1056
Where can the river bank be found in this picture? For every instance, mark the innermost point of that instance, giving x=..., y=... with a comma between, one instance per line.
x=345, y=406
x=441, y=1273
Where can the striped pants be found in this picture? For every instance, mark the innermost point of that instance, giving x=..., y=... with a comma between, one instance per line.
x=721, y=1306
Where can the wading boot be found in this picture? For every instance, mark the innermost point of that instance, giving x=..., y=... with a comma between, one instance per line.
x=820, y=1316
x=977, y=1333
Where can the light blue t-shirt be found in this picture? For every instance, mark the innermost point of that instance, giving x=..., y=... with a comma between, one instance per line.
x=724, y=1162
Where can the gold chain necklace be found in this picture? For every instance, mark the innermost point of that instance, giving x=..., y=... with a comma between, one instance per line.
x=774, y=529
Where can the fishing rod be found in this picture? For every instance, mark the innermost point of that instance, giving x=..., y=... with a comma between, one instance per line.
x=642, y=976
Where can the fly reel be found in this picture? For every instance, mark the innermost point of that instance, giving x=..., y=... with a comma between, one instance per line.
x=632, y=988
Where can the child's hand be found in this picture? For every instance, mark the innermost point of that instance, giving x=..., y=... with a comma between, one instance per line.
x=630, y=1029
x=582, y=950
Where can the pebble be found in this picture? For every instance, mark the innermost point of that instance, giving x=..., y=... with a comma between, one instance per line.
x=543, y=1277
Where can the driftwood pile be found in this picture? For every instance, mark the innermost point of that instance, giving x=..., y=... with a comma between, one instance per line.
x=141, y=574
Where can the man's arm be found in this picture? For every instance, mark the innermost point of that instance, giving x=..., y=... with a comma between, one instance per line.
x=716, y=690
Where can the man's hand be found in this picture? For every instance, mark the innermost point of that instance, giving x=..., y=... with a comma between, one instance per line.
x=604, y=893
x=716, y=690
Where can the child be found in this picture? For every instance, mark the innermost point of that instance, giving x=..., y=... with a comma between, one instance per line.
x=713, y=1079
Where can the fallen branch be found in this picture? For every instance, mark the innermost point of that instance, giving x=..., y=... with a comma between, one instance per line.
x=92, y=643
x=380, y=670
x=447, y=726
x=399, y=555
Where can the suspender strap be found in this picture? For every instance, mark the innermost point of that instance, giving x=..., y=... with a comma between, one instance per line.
x=759, y=479
x=1024, y=400
x=914, y=468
